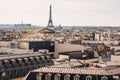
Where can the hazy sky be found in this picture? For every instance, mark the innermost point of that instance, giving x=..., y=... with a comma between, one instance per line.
x=65, y=12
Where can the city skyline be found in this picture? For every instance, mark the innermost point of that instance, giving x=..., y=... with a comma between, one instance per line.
x=65, y=12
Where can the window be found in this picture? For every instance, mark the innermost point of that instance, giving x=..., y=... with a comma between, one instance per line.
x=3, y=74
x=26, y=60
x=37, y=60
x=0, y=63
x=88, y=77
x=19, y=61
x=67, y=77
x=6, y=62
x=57, y=77
x=13, y=61
x=39, y=76
x=116, y=78
x=48, y=57
x=48, y=76
x=43, y=58
x=104, y=78
x=31, y=58
x=76, y=77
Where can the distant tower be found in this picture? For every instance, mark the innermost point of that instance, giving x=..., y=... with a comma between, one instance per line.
x=50, y=22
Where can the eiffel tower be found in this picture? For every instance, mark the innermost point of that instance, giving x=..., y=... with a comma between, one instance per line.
x=50, y=22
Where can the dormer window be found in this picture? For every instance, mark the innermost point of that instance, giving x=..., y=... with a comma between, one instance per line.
x=104, y=78
x=76, y=77
x=26, y=60
x=20, y=61
x=88, y=77
x=48, y=76
x=116, y=77
x=43, y=58
x=67, y=77
x=13, y=61
x=57, y=77
x=0, y=63
x=39, y=76
x=48, y=57
x=31, y=58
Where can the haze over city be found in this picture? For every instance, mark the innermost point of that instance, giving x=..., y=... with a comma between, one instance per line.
x=59, y=40
x=64, y=12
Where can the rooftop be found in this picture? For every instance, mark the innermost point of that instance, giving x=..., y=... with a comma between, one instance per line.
x=8, y=53
x=4, y=57
x=14, y=50
x=92, y=71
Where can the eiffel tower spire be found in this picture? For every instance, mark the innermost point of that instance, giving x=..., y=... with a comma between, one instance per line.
x=50, y=22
